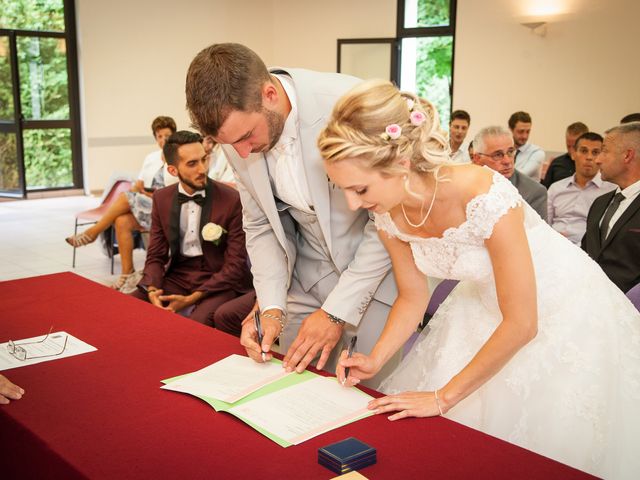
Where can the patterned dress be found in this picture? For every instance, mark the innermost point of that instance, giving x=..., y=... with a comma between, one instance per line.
x=140, y=204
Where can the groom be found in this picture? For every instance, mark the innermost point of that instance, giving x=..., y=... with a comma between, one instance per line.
x=196, y=253
x=320, y=272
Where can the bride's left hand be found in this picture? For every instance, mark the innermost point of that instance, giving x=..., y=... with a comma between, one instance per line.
x=408, y=404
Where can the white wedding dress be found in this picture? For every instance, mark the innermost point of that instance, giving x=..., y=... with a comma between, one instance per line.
x=573, y=392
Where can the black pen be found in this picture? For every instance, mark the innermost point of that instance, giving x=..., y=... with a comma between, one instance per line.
x=256, y=321
x=352, y=346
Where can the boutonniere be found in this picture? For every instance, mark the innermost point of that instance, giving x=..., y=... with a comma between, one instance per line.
x=212, y=232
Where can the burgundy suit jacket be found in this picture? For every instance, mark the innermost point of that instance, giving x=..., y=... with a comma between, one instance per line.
x=226, y=261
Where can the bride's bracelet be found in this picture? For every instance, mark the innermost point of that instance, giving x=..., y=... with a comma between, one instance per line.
x=438, y=402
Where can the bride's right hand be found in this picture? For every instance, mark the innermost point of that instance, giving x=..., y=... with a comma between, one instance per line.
x=360, y=366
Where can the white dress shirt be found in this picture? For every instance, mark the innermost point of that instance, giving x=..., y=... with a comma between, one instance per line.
x=285, y=164
x=461, y=155
x=150, y=167
x=219, y=168
x=286, y=158
x=630, y=193
x=190, y=225
x=568, y=204
x=529, y=160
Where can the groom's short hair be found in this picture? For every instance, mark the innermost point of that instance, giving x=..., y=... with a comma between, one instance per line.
x=222, y=78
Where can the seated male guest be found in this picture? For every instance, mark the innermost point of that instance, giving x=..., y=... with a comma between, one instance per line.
x=493, y=147
x=569, y=199
x=564, y=166
x=529, y=157
x=613, y=224
x=196, y=252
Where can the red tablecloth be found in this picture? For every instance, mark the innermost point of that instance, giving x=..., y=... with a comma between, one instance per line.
x=103, y=415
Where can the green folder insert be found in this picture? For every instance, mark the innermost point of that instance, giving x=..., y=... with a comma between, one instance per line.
x=287, y=410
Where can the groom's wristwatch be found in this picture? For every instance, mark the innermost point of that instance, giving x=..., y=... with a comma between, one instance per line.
x=334, y=319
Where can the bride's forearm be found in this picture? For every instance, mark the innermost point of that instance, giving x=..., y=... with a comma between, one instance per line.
x=503, y=344
x=404, y=318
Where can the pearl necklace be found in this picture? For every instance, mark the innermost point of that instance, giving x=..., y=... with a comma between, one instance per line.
x=433, y=199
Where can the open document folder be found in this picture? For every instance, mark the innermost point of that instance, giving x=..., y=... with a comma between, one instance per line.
x=287, y=408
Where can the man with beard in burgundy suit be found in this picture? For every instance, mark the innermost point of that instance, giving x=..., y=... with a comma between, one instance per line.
x=197, y=253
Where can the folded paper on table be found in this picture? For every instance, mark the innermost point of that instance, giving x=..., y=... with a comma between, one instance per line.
x=44, y=348
x=294, y=408
x=230, y=379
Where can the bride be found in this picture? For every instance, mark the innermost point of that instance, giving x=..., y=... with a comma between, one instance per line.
x=535, y=345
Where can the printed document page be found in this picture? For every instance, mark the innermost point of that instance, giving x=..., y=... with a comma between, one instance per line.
x=305, y=410
x=43, y=349
x=230, y=379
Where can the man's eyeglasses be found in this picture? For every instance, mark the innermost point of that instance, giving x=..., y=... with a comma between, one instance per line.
x=21, y=353
x=499, y=155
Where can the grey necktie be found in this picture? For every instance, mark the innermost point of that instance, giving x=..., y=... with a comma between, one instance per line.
x=611, y=209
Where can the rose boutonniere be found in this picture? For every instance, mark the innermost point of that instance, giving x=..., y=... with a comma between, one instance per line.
x=212, y=232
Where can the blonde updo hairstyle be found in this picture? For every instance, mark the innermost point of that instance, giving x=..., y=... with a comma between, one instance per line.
x=357, y=126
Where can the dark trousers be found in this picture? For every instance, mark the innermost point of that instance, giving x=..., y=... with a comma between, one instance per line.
x=222, y=310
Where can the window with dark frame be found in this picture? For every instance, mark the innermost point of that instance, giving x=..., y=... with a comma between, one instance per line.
x=40, y=142
x=420, y=56
x=426, y=33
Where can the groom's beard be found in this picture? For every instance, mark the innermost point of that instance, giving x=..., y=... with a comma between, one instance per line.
x=275, y=123
x=199, y=184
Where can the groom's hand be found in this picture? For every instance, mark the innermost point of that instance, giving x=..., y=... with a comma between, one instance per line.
x=317, y=333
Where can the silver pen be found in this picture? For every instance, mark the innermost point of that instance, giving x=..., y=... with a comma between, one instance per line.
x=350, y=350
x=257, y=324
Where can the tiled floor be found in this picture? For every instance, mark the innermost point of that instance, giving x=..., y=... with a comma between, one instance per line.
x=32, y=234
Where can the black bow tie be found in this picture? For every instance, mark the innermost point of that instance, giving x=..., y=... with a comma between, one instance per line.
x=182, y=198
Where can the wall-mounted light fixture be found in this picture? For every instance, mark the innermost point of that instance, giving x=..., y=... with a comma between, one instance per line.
x=537, y=28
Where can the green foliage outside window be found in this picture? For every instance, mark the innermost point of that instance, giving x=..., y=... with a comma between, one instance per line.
x=432, y=13
x=433, y=73
x=42, y=65
x=47, y=158
x=41, y=15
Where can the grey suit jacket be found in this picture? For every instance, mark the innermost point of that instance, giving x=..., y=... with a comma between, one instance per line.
x=533, y=192
x=351, y=237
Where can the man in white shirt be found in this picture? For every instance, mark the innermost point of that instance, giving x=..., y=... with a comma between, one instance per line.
x=458, y=129
x=320, y=272
x=613, y=224
x=529, y=157
x=569, y=199
x=219, y=168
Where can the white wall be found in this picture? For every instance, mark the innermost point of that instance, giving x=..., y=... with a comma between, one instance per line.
x=305, y=32
x=134, y=56
x=587, y=68
x=133, y=61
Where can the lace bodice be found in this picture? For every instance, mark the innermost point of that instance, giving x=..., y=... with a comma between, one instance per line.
x=460, y=253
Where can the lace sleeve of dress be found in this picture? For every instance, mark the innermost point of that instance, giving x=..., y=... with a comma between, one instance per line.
x=484, y=210
x=383, y=222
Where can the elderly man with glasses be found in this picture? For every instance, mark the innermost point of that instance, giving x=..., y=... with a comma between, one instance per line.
x=493, y=147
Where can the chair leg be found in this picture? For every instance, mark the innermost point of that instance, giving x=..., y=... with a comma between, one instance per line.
x=113, y=243
x=75, y=232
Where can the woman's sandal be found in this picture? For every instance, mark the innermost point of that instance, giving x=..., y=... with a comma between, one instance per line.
x=122, y=281
x=79, y=240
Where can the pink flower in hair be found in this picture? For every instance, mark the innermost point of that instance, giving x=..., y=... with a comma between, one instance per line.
x=417, y=118
x=394, y=131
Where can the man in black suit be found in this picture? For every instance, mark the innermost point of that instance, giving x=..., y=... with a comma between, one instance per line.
x=564, y=166
x=613, y=225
